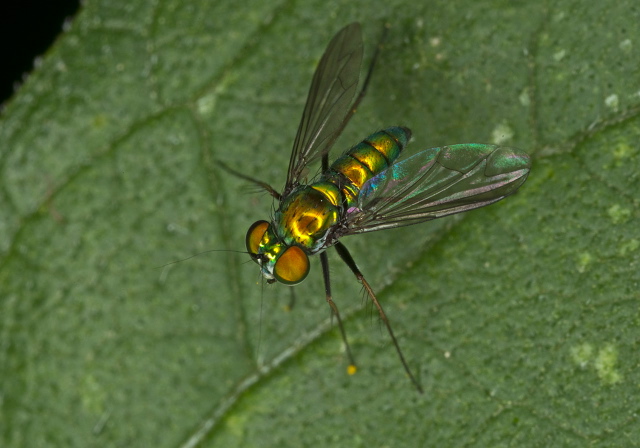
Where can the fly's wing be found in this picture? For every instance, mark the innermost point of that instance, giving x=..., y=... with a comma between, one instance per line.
x=330, y=96
x=438, y=182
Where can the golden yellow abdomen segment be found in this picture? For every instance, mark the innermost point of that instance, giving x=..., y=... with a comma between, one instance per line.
x=367, y=159
x=356, y=172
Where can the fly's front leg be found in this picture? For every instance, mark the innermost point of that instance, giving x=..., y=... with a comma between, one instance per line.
x=334, y=310
x=263, y=185
x=292, y=300
x=348, y=259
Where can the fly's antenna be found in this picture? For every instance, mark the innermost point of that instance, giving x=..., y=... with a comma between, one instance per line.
x=201, y=253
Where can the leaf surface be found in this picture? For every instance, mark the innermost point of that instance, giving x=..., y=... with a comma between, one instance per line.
x=521, y=318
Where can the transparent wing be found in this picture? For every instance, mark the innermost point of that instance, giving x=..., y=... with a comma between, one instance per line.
x=438, y=182
x=329, y=101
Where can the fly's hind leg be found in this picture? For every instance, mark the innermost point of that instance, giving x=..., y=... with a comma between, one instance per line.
x=292, y=300
x=346, y=257
x=334, y=310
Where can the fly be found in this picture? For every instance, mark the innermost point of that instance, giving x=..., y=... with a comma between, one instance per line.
x=367, y=188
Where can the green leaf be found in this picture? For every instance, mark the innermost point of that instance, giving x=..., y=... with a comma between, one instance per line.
x=521, y=318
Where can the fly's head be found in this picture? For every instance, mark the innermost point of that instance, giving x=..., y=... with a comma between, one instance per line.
x=277, y=260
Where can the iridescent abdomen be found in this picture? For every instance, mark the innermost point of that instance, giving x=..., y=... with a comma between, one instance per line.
x=366, y=160
x=308, y=213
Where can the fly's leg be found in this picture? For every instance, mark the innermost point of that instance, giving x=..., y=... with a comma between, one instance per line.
x=346, y=257
x=263, y=185
x=292, y=300
x=334, y=310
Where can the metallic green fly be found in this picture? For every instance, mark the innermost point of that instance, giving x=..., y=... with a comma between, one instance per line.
x=367, y=188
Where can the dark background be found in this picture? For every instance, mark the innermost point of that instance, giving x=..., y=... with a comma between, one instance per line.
x=27, y=29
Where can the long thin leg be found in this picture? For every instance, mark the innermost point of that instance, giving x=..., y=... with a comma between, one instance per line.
x=325, y=162
x=325, y=166
x=265, y=186
x=334, y=309
x=346, y=257
x=292, y=300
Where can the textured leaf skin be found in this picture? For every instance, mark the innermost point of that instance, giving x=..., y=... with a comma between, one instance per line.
x=521, y=317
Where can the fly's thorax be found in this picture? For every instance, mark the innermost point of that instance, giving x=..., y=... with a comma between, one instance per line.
x=307, y=214
x=366, y=160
